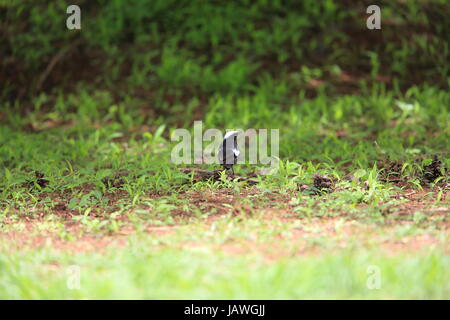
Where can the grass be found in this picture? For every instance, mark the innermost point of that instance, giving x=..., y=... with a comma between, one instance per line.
x=202, y=273
x=85, y=171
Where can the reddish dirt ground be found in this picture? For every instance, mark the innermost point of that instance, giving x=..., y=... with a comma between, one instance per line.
x=302, y=236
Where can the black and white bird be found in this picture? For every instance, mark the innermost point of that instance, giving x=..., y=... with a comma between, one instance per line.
x=229, y=151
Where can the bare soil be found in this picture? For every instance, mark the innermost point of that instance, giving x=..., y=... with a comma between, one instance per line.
x=303, y=236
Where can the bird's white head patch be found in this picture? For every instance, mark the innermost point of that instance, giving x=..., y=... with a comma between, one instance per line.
x=230, y=134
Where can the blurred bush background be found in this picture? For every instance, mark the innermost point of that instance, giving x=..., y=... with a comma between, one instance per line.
x=173, y=51
x=311, y=67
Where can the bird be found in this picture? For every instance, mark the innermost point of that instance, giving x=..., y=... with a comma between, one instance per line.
x=228, y=152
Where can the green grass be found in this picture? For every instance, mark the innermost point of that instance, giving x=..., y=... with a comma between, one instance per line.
x=85, y=149
x=141, y=271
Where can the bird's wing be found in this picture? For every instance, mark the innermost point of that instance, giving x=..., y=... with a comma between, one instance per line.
x=228, y=150
x=227, y=158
